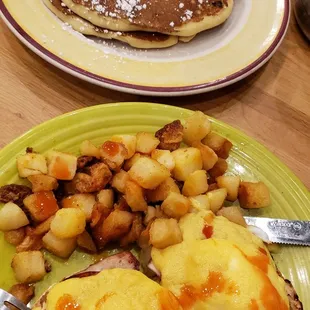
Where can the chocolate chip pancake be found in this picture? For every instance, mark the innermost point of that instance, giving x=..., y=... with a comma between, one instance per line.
x=174, y=17
x=136, y=39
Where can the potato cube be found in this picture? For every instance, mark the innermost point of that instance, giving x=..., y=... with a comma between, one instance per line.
x=29, y=266
x=106, y=197
x=170, y=136
x=85, y=202
x=164, y=233
x=149, y=215
x=134, y=195
x=61, y=166
x=86, y=243
x=219, y=168
x=41, y=205
x=42, y=183
x=233, y=214
x=148, y=173
x=31, y=164
x=87, y=148
x=135, y=231
x=161, y=192
x=119, y=180
x=68, y=223
x=60, y=247
x=196, y=183
x=144, y=239
x=146, y=142
x=43, y=227
x=175, y=205
x=129, y=162
x=129, y=141
x=198, y=203
x=165, y=158
x=254, y=195
x=220, y=145
x=15, y=237
x=196, y=127
x=187, y=160
x=217, y=198
x=12, y=217
x=209, y=158
x=113, y=154
x=23, y=292
x=231, y=183
x=116, y=225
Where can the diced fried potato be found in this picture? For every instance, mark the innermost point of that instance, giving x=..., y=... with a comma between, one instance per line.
x=86, y=243
x=59, y=247
x=134, y=195
x=196, y=127
x=135, y=231
x=84, y=202
x=233, y=214
x=159, y=213
x=148, y=173
x=31, y=242
x=198, y=203
x=122, y=204
x=87, y=148
x=119, y=180
x=116, y=225
x=43, y=227
x=165, y=158
x=29, y=266
x=15, y=237
x=146, y=142
x=68, y=223
x=12, y=217
x=42, y=183
x=61, y=166
x=209, y=157
x=144, y=239
x=100, y=176
x=195, y=184
x=96, y=216
x=106, y=198
x=41, y=205
x=187, y=160
x=231, y=183
x=113, y=154
x=253, y=195
x=219, y=168
x=220, y=145
x=129, y=162
x=217, y=198
x=170, y=136
x=150, y=215
x=164, y=233
x=23, y=292
x=31, y=164
x=161, y=192
x=129, y=141
x=175, y=205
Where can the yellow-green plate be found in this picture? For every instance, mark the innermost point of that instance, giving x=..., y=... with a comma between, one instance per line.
x=290, y=198
x=213, y=59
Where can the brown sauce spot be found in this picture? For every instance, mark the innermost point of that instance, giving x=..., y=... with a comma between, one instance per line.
x=111, y=148
x=67, y=302
x=60, y=169
x=46, y=204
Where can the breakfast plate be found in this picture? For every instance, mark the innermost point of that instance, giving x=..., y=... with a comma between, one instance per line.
x=213, y=59
x=249, y=159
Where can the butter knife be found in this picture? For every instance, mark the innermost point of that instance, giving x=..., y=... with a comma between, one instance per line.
x=280, y=231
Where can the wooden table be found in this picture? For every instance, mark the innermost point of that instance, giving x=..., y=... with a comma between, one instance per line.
x=273, y=105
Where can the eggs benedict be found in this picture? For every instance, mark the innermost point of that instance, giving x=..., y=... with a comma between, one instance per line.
x=220, y=265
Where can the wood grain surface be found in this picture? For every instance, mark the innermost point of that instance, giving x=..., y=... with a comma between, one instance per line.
x=272, y=106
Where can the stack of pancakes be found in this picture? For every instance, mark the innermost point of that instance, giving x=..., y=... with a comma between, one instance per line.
x=142, y=23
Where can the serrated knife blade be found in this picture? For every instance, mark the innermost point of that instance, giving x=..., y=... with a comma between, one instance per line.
x=282, y=231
